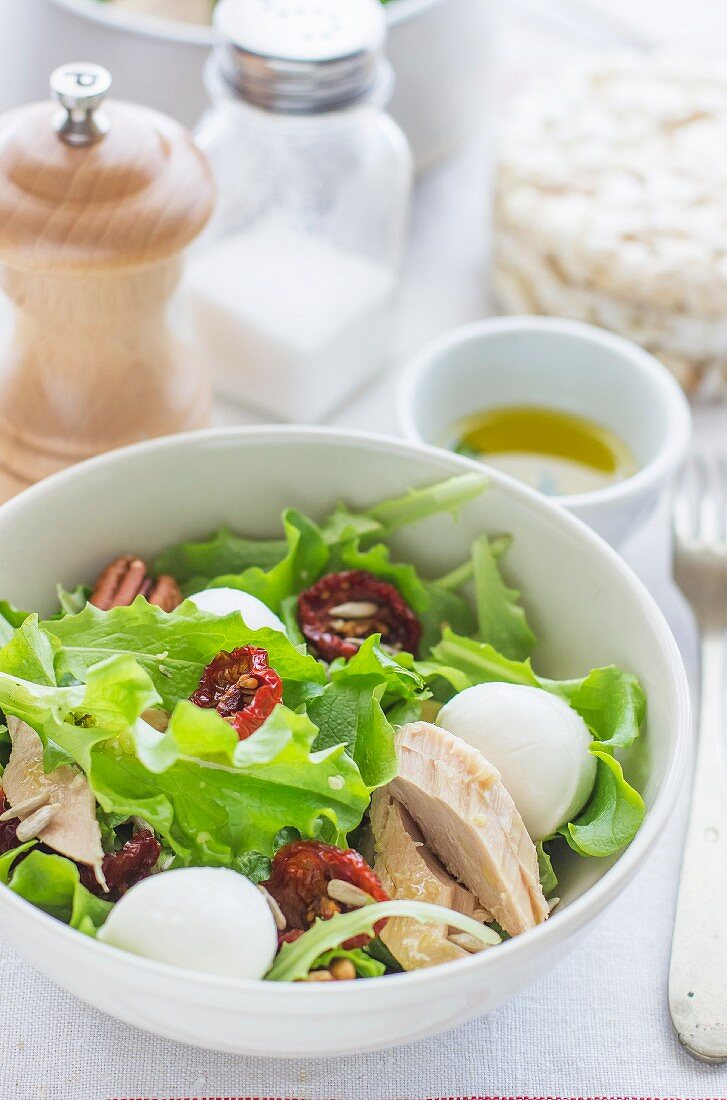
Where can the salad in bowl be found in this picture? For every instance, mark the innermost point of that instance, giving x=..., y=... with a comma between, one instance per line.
x=303, y=758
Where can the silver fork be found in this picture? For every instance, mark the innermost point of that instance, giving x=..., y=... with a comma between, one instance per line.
x=698, y=969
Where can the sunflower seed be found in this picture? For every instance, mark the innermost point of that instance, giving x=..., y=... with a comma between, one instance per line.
x=552, y=903
x=27, y=806
x=354, y=609
x=467, y=942
x=278, y=916
x=32, y=826
x=348, y=894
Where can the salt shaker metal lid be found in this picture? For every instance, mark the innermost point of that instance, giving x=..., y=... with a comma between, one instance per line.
x=96, y=183
x=302, y=57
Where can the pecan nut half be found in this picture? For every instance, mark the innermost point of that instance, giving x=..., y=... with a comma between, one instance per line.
x=126, y=578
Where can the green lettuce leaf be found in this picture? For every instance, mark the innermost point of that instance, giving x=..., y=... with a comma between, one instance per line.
x=7, y=859
x=419, y=504
x=480, y=662
x=344, y=526
x=173, y=648
x=611, y=702
x=548, y=877
x=613, y=813
x=222, y=552
x=366, y=965
x=52, y=883
x=10, y=619
x=221, y=798
x=70, y=720
x=500, y=618
x=72, y=602
x=302, y=565
x=29, y=654
x=294, y=960
x=350, y=710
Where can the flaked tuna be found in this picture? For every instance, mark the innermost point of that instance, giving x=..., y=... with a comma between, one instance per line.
x=470, y=822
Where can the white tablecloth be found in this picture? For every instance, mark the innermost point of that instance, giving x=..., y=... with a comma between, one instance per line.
x=597, y=1026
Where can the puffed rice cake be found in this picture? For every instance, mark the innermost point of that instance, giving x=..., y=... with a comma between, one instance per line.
x=611, y=207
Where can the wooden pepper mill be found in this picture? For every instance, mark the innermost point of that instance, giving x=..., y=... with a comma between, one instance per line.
x=97, y=202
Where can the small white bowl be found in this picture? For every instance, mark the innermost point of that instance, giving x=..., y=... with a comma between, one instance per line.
x=585, y=605
x=563, y=365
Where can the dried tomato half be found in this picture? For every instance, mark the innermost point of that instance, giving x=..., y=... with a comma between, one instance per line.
x=299, y=883
x=338, y=612
x=123, y=869
x=241, y=687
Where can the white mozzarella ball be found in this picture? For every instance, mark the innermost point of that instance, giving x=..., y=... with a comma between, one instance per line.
x=537, y=742
x=222, y=601
x=209, y=919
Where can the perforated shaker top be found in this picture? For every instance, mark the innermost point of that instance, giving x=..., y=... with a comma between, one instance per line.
x=300, y=56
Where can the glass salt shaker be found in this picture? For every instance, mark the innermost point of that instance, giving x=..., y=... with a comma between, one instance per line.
x=292, y=291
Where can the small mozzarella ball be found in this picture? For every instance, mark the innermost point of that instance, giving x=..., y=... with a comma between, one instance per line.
x=222, y=601
x=537, y=742
x=209, y=919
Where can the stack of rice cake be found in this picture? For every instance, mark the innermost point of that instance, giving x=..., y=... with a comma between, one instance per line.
x=611, y=207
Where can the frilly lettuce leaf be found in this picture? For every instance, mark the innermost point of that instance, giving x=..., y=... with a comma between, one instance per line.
x=501, y=619
x=7, y=859
x=613, y=814
x=29, y=654
x=218, y=798
x=611, y=702
x=10, y=618
x=419, y=504
x=53, y=884
x=350, y=709
x=480, y=662
x=302, y=565
x=548, y=877
x=172, y=647
x=70, y=719
x=223, y=552
x=366, y=965
x=294, y=960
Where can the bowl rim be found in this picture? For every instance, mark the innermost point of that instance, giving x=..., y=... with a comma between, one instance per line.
x=581, y=910
x=195, y=34
x=677, y=414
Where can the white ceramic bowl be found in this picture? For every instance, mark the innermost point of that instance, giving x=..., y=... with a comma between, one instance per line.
x=159, y=62
x=592, y=612
x=565, y=365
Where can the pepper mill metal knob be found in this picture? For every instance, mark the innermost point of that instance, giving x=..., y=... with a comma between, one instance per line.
x=80, y=89
x=98, y=200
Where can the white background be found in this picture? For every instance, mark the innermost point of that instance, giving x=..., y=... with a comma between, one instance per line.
x=598, y=1025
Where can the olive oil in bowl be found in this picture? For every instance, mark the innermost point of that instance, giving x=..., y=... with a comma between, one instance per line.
x=556, y=452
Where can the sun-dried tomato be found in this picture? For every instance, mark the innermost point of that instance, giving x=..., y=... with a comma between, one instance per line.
x=8, y=839
x=299, y=881
x=123, y=869
x=341, y=610
x=241, y=687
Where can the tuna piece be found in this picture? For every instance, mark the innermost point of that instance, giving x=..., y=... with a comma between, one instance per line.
x=63, y=797
x=470, y=822
x=407, y=869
